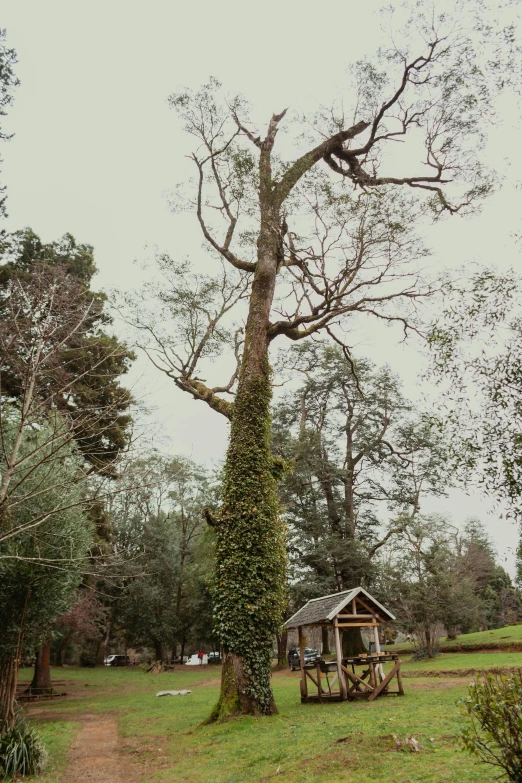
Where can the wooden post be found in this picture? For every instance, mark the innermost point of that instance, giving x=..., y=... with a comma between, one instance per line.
x=339, y=657
x=385, y=682
x=372, y=678
x=399, y=680
x=302, y=645
x=376, y=639
x=319, y=685
x=377, y=650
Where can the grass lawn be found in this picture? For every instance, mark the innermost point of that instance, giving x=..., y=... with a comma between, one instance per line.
x=57, y=737
x=500, y=637
x=297, y=746
x=456, y=661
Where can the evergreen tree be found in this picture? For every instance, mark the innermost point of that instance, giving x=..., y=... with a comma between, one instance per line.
x=90, y=362
x=61, y=371
x=440, y=578
x=158, y=527
x=363, y=458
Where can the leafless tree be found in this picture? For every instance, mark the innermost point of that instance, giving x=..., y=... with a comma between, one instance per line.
x=303, y=245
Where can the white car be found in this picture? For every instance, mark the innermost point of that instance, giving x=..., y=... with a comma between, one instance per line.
x=194, y=660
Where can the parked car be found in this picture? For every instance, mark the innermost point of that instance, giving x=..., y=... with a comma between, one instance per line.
x=117, y=660
x=214, y=657
x=195, y=661
x=310, y=658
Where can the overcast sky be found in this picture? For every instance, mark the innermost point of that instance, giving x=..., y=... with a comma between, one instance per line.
x=96, y=150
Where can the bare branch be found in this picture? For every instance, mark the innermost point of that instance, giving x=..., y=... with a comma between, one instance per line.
x=303, y=164
x=245, y=266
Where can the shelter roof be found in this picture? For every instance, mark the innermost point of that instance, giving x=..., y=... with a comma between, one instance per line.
x=324, y=609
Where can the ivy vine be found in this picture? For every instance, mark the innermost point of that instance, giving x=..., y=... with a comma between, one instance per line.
x=251, y=563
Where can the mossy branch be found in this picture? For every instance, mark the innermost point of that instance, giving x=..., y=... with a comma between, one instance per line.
x=281, y=467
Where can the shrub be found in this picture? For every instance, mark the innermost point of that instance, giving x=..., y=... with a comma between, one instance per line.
x=422, y=654
x=494, y=731
x=88, y=660
x=21, y=751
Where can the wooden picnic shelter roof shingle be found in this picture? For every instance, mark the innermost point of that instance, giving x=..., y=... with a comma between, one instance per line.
x=324, y=609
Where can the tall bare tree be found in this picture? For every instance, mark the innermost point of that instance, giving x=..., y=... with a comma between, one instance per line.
x=303, y=244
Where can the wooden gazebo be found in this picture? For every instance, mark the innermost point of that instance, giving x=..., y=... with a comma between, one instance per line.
x=354, y=608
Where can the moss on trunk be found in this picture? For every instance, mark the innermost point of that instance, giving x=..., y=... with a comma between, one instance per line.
x=250, y=590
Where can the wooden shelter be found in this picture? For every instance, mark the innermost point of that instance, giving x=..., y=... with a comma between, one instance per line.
x=354, y=608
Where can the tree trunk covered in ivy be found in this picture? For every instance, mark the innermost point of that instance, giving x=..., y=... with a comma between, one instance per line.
x=250, y=547
x=251, y=556
x=322, y=282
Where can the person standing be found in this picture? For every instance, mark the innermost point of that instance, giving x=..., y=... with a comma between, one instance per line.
x=201, y=655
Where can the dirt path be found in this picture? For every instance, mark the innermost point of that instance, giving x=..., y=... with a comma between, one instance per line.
x=96, y=754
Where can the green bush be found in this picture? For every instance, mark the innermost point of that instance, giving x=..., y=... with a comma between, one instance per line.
x=422, y=654
x=21, y=751
x=88, y=660
x=494, y=731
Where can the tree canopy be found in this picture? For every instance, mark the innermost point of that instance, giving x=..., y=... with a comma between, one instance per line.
x=80, y=368
x=364, y=460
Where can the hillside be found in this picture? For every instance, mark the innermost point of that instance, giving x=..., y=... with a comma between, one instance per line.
x=509, y=637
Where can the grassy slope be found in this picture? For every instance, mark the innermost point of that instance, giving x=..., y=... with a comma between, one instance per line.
x=500, y=637
x=164, y=733
x=456, y=661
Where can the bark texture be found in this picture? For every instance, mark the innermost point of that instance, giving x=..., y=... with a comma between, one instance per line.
x=8, y=682
x=282, y=640
x=41, y=682
x=430, y=640
x=235, y=698
x=9, y=666
x=158, y=650
x=325, y=643
x=250, y=590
